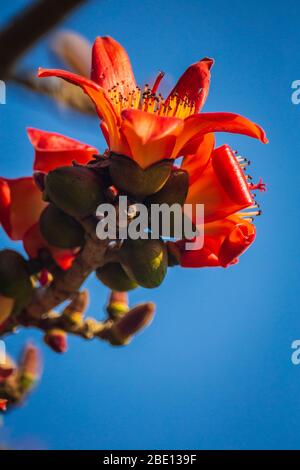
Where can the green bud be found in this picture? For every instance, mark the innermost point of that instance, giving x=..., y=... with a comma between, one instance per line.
x=14, y=278
x=77, y=190
x=60, y=229
x=146, y=261
x=128, y=176
x=113, y=276
x=174, y=191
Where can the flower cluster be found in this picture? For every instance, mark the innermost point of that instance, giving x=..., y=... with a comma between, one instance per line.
x=147, y=135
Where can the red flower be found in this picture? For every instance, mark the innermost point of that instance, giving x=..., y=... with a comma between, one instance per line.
x=141, y=124
x=21, y=201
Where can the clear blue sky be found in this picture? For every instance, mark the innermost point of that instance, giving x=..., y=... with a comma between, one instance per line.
x=214, y=370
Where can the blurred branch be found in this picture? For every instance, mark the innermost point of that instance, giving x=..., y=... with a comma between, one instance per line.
x=27, y=27
x=62, y=92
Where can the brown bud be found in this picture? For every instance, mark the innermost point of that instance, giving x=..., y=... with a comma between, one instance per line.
x=30, y=367
x=131, y=323
x=117, y=304
x=57, y=340
x=145, y=261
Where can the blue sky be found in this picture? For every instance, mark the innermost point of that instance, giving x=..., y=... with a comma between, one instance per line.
x=213, y=371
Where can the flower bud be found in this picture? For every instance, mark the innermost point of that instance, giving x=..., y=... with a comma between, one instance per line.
x=30, y=367
x=60, y=229
x=128, y=176
x=113, y=276
x=77, y=190
x=57, y=340
x=131, y=323
x=117, y=304
x=15, y=280
x=174, y=191
x=145, y=261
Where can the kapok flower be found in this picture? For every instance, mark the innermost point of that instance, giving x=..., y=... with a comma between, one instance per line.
x=141, y=124
x=217, y=180
x=21, y=202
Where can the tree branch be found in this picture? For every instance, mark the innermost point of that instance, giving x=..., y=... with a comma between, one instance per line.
x=29, y=26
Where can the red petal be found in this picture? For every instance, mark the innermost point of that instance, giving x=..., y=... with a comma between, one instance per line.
x=195, y=163
x=111, y=66
x=55, y=150
x=194, y=83
x=231, y=176
x=151, y=138
x=20, y=205
x=3, y=404
x=204, y=123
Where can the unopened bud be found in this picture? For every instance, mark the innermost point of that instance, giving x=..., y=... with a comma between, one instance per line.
x=3, y=404
x=117, y=304
x=57, y=340
x=113, y=276
x=45, y=277
x=131, y=323
x=77, y=190
x=30, y=367
x=145, y=261
x=60, y=229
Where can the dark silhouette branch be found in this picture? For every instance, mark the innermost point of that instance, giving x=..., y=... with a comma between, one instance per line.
x=28, y=26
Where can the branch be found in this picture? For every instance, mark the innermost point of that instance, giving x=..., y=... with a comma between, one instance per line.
x=29, y=26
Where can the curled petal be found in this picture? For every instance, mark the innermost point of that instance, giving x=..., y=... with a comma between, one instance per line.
x=236, y=242
x=194, y=83
x=151, y=138
x=204, y=123
x=20, y=206
x=54, y=150
x=97, y=95
x=224, y=241
x=111, y=66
